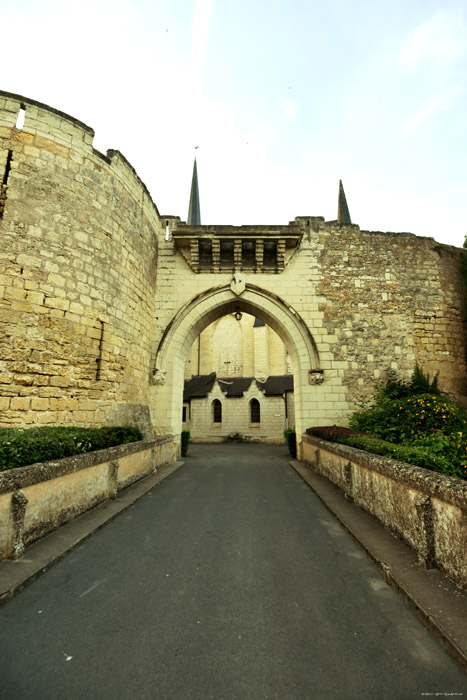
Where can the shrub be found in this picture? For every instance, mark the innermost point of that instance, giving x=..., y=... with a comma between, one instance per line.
x=291, y=440
x=397, y=388
x=418, y=455
x=185, y=442
x=20, y=447
x=420, y=426
x=411, y=418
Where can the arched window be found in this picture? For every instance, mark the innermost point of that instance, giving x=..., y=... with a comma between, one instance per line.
x=216, y=411
x=255, y=411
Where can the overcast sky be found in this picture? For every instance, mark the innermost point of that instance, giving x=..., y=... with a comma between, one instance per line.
x=282, y=97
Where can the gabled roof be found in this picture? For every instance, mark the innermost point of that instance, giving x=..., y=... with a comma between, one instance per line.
x=276, y=385
x=235, y=386
x=198, y=387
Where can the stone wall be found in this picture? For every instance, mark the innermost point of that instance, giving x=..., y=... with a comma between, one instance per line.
x=426, y=509
x=78, y=268
x=390, y=300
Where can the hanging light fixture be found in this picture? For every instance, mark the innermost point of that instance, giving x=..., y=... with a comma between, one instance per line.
x=238, y=314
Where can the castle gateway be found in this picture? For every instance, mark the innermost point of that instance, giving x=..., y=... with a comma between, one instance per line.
x=102, y=297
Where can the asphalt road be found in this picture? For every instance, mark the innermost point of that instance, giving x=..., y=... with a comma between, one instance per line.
x=229, y=580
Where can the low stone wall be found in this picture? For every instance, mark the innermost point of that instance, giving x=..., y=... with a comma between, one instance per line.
x=39, y=498
x=426, y=509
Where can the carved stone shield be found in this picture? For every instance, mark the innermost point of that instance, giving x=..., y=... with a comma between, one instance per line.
x=238, y=284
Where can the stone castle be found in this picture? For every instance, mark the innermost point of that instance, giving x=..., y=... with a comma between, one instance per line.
x=103, y=299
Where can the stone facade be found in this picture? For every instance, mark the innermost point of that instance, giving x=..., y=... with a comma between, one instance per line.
x=232, y=348
x=102, y=298
x=275, y=415
x=244, y=348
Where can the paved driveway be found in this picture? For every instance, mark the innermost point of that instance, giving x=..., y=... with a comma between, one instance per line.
x=229, y=580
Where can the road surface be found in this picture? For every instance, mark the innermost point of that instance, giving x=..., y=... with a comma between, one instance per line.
x=229, y=580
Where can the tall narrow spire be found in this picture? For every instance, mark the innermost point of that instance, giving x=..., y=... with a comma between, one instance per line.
x=343, y=214
x=194, y=211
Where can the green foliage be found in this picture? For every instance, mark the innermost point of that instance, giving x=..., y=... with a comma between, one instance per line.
x=422, y=454
x=416, y=424
x=411, y=418
x=185, y=442
x=420, y=383
x=291, y=440
x=397, y=388
x=20, y=447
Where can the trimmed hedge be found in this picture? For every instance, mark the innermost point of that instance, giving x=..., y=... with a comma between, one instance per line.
x=185, y=442
x=415, y=455
x=20, y=447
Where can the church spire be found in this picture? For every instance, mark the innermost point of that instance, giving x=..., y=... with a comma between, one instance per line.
x=343, y=214
x=194, y=211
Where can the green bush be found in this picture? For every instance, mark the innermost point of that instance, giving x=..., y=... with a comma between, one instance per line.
x=411, y=418
x=418, y=455
x=291, y=440
x=396, y=388
x=185, y=442
x=20, y=447
x=419, y=425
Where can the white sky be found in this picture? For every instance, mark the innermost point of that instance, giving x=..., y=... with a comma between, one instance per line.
x=283, y=98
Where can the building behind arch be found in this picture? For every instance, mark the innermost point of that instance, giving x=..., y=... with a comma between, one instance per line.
x=242, y=366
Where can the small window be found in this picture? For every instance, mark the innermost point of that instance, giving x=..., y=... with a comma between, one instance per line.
x=216, y=411
x=205, y=253
x=227, y=253
x=248, y=253
x=270, y=254
x=184, y=415
x=255, y=411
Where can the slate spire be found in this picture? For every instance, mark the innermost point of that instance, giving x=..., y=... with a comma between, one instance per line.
x=343, y=214
x=194, y=211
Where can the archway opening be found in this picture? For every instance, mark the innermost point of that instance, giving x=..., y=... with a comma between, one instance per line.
x=240, y=361
x=177, y=341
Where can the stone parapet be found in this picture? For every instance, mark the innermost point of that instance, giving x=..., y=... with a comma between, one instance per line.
x=426, y=509
x=39, y=498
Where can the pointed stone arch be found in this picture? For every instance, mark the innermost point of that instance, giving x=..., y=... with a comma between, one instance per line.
x=199, y=313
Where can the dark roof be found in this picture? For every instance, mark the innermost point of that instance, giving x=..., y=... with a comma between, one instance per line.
x=258, y=323
x=198, y=387
x=277, y=385
x=194, y=211
x=235, y=386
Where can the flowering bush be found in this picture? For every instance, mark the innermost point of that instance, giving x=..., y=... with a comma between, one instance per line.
x=435, y=427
